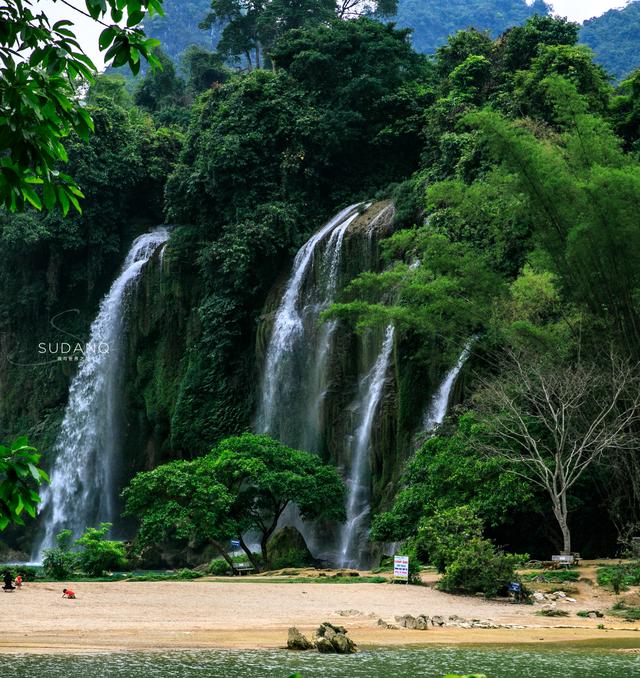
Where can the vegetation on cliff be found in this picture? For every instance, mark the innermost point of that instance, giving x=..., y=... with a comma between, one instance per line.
x=513, y=165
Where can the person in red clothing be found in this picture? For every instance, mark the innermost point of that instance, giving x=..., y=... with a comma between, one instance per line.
x=18, y=582
x=68, y=593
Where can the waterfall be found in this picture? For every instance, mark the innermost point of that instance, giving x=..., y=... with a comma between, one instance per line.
x=437, y=410
x=83, y=488
x=294, y=381
x=306, y=378
x=358, y=501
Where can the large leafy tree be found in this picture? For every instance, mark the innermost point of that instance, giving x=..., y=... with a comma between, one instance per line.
x=43, y=69
x=181, y=502
x=447, y=472
x=264, y=477
x=20, y=476
x=251, y=27
x=244, y=484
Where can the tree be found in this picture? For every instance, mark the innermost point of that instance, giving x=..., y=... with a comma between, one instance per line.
x=251, y=27
x=182, y=502
x=43, y=70
x=59, y=562
x=576, y=188
x=244, y=484
x=204, y=69
x=20, y=476
x=160, y=87
x=437, y=290
x=550, y=422
x=98, y=555
x=448, y=472
x=264, y=477
x=519, y=45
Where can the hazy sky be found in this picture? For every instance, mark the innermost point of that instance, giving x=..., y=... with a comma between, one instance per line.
x=579, y=10
x=88, y=32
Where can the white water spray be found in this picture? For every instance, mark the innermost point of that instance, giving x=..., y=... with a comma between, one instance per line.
x=83, y=488
x=437, y=410
x=358, y=501
x=294, y=381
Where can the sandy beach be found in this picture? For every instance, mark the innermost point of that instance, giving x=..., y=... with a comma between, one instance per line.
x=217, y=613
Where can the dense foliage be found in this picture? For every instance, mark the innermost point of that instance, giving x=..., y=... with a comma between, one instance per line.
x=91, y=554
x=614, y=38
x=20, y=478
x=243, y=485
x=43, y=69
x=513, y=166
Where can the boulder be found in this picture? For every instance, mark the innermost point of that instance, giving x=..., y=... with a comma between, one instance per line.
x=422, y=622
x=384, y=625
x=324, y=646
x=329, y=638
x=298, y=641
x=407, y=621
x=437, y=620
x=287, y=548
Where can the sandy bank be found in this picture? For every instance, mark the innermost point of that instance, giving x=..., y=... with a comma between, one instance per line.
x=241, y=614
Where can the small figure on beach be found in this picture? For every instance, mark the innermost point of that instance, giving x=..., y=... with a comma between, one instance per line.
x=18, y=582
x=68, y=593
x=8, y=582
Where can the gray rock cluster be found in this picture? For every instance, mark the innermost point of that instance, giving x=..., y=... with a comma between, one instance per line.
x=421, y=623
x=328, y=639
x=541, y=597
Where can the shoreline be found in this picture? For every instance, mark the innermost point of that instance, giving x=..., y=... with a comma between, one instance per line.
x=213, y=614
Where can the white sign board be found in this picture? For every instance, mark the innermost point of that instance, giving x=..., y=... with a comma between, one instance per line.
x=401, y=567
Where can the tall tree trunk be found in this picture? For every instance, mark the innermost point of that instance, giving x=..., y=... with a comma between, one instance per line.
x=560, y=512
x=250, y=556
x=223, y=552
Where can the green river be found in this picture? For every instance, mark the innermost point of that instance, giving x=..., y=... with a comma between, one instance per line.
x=513, y=662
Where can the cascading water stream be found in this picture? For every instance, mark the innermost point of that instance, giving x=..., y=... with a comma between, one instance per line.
x=294, y=381
x=87, y=449
x=358, y=501
x=437, y=410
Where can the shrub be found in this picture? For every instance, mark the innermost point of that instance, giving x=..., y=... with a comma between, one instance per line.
x=478, y=566
x=219, y=567
x=188, y=574
x=99, y=555
x=59, y=562
x=27, y=572
x=441, y=536
x=619, y=577
x=290, y=557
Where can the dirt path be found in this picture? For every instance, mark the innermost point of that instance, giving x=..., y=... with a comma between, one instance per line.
x=241, y=614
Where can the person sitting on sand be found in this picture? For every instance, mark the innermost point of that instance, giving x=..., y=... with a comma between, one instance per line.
x=8, y=583
x=18, y=581
x=68, y=593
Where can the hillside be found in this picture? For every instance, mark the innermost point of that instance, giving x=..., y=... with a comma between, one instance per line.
x=615, y=38
x=433, y=22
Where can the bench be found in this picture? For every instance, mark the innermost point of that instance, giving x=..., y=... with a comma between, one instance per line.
x=243, y=568
x=564, y=560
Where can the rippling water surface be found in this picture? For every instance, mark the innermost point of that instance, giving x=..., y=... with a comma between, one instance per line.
x=380, y=663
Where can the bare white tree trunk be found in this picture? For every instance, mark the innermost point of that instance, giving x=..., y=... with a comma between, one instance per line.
x=550, y=422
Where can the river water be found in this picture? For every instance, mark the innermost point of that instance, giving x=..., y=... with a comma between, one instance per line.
x=511, y=662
